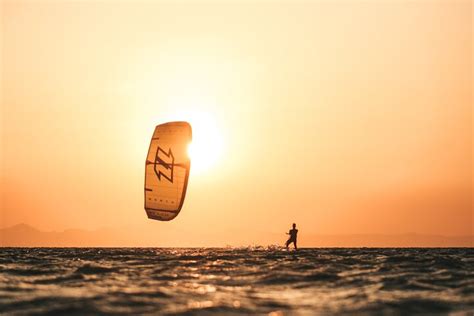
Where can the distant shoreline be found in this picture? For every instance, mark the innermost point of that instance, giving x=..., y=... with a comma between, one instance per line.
x=23, y=235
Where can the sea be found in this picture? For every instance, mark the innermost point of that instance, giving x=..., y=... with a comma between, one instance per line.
x=237, y=281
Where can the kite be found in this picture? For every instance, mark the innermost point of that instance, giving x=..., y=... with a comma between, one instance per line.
x=167, y=170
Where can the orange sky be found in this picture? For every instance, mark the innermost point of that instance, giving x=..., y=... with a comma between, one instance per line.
x=342, y=116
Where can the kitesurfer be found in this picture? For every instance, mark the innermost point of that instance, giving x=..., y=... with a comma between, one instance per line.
x=293, y=232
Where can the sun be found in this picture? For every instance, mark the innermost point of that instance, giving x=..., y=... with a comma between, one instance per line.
x=206, y=147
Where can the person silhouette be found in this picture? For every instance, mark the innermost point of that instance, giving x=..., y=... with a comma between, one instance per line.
x=293, y=232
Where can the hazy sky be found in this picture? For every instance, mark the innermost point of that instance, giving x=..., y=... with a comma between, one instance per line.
x=342, y=116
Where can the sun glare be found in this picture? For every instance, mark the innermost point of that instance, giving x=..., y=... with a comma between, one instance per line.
x=207, y=144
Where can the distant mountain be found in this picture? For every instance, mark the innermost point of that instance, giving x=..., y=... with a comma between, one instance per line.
x=23, y=235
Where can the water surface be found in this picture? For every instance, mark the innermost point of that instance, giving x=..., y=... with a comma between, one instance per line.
x=236, y=281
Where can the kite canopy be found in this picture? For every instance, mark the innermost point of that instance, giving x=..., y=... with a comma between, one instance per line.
x=167, y=170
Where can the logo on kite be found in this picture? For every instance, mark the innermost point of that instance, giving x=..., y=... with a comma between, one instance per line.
x=164, y=164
